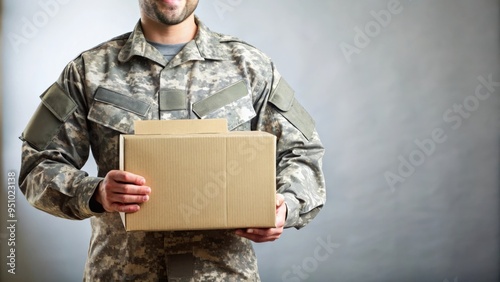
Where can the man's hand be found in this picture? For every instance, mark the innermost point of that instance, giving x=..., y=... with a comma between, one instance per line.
x=261, y=235
x=122, y=191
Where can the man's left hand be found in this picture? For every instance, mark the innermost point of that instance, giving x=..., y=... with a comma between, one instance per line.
x=260, y=235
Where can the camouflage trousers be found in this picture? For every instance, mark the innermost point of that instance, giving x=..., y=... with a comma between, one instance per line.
x=117, y=255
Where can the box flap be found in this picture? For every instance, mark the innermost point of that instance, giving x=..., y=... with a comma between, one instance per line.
x=183, y=126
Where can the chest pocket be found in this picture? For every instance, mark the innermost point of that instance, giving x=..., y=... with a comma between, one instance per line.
x=232, y=103
x=117, y=111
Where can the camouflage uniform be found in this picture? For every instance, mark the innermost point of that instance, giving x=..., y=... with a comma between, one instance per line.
x=101, y=93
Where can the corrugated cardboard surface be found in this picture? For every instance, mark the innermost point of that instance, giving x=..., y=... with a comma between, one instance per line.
x=202, y=180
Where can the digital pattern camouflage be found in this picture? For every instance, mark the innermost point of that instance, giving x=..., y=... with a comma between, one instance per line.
x=101, y=93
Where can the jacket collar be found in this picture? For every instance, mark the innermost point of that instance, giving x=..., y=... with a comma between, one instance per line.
x=205, y=46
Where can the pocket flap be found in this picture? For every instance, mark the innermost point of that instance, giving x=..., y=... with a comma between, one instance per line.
x=116, y=111
x=232, y=103
x=58, y=102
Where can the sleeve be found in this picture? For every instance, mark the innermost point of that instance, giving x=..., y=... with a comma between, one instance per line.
x=299, y=175
x=55, y=147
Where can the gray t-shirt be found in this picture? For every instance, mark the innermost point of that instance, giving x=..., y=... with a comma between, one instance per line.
x=168, y=50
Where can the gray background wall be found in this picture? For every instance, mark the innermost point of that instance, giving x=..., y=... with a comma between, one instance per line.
x=400, y=101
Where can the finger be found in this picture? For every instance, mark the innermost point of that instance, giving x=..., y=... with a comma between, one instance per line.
x=265, y=231
x=280, y=199
x=281, y=216
x=128, y=199
x=256, y=238
x=127, y=177
x=130, y=189
x=125, y=208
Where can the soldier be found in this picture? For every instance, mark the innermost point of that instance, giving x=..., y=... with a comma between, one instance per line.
x=168, y=63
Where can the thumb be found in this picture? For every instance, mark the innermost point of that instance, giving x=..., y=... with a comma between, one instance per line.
x=280, y=199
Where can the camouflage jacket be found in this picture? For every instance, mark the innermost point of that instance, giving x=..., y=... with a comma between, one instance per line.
x=99, y=95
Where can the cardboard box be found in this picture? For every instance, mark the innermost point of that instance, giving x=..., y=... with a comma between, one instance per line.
x=201, y=175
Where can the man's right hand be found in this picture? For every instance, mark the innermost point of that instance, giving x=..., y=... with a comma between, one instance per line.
x=122, y=191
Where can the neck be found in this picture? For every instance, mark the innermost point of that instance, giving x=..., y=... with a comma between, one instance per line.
x=169, y=34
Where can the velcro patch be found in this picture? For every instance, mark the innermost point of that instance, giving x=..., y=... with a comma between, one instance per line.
x=221, y=98
x=121, y=101
x=55, y=109
x=282, y=96
x=283, y=99
x=173, y=100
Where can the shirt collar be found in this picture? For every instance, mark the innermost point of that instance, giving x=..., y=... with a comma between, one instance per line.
x=205, y=45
